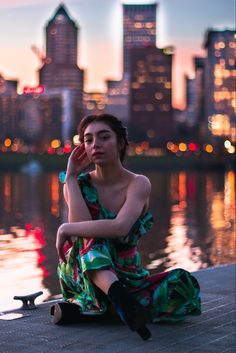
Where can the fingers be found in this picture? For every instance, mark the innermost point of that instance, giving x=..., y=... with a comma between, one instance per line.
x=60, y=241
x=80, y=157
x=79, y=152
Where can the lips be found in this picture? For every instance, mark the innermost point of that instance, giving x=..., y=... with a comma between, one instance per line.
x=95, y=154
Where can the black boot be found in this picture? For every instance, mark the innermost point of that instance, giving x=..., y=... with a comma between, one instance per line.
x=129, y=310
x=65, y=313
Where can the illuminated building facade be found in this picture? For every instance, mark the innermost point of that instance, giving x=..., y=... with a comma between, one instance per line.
x=190, y=118
x=199, y=66
x=60, y=70
x=220, y=92
x=8, y=108
x=42, y=115
x=117, y=102
x=34, y=119
x=139, y=29
x=151, y=116
x=94, y=103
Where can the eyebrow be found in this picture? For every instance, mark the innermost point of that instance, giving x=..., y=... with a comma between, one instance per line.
x=98, y=133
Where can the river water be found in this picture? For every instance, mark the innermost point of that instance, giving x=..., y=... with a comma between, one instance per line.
x=194, y=227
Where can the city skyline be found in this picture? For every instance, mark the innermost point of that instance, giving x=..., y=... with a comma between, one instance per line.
x=172, y=29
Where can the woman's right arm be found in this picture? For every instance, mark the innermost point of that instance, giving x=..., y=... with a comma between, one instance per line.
x=77, y=163
x=77, y=208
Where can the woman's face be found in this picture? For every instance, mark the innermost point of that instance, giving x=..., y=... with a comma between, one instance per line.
x=101, y=143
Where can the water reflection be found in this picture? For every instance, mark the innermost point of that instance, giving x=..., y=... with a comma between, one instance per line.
x=201, y=225
x=194, y=227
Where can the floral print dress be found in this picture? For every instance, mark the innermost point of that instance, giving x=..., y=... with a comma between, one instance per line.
x=170, y=296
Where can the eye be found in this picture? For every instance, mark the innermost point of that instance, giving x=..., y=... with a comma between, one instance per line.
x=105, y=137
x=88, y=141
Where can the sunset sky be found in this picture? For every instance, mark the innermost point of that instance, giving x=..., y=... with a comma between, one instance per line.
x=181, y=23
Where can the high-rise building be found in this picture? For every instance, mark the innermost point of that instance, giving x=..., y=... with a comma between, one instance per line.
x=139, y=29
x=191, y=101
x=60, y=70
x=117, y=102
x=151, y=117
x=220, y=91
x=199, y=66
x=35, y=119
x=7, y=86
x=9, y=124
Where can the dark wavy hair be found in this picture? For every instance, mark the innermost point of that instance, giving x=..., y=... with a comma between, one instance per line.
x=114, y=123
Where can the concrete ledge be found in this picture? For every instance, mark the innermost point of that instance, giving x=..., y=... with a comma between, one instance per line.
x=212, y=332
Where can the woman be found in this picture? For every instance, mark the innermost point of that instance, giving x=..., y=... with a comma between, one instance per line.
x=107, y=214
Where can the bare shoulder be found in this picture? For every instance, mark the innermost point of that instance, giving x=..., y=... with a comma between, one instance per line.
x=140, y=182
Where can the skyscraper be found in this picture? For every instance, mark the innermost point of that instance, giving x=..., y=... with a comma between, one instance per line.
x=60, y=70
x=150, y=95
x=9, y=123
x=199, y=65
x=139, y=29
x=220, y=73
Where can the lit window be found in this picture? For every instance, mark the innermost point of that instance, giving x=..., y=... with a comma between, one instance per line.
x=233, y=103
x=226, y=73
x=221, y=45
x=141, y=79
x=160, y=69
x=149, y=25
x=135, y=85
x=158, y=95
x=220, y=125
x=90, y=106
x=218, y=82
x=158, y=79
x=167, y=84
x=125, y=91
x=218, y=73
x=138, y=25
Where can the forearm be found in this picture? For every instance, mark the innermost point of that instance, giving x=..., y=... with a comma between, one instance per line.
x=102, y=228
x=77, y=208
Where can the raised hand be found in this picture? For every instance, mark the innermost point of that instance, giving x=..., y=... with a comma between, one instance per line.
x=78, y=161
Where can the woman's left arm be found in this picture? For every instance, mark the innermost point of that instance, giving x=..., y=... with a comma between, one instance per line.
x=137, y=195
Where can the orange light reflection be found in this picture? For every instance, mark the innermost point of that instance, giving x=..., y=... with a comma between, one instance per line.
x=222, y=219
x=55, y=196
x=7, y=193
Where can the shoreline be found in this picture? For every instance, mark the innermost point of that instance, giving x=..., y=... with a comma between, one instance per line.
x=14, y=162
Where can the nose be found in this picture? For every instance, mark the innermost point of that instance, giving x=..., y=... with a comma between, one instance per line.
x=96, y=142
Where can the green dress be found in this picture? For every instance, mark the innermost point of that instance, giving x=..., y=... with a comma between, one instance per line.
x=170, y=296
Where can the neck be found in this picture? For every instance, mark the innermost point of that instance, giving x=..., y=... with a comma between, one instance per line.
x=109, y=173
